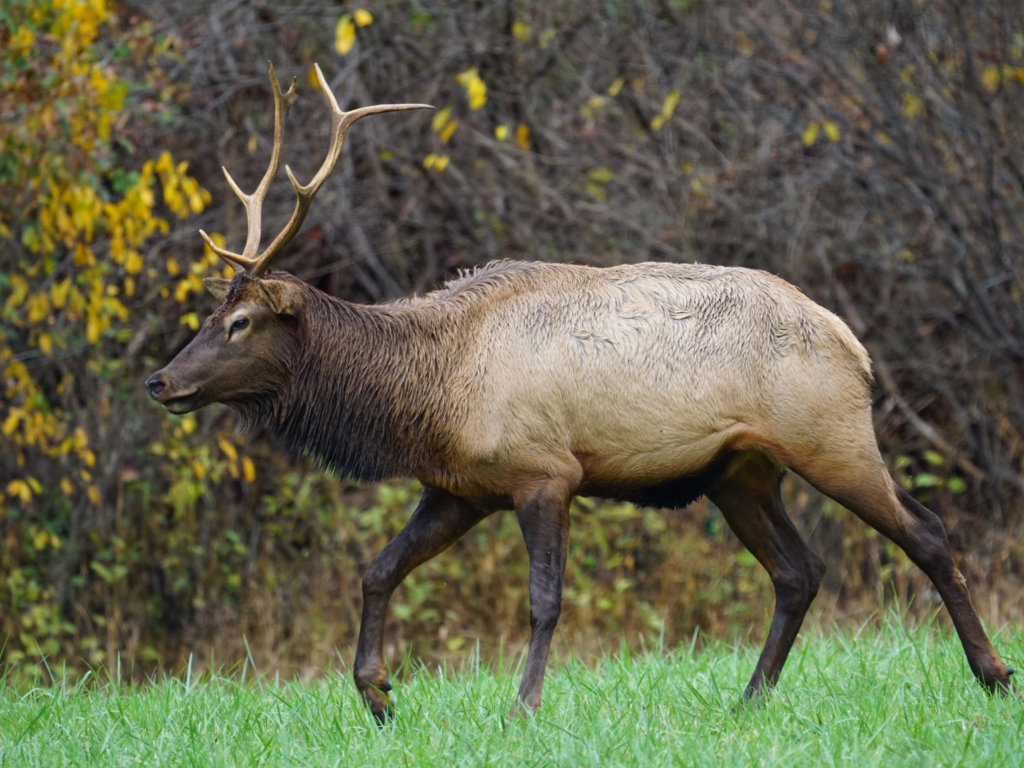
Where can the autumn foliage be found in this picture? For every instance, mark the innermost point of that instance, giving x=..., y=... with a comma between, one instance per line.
x=872, y=153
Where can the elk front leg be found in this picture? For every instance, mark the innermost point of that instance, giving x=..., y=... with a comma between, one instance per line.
x=544, y=521
x=438, y=522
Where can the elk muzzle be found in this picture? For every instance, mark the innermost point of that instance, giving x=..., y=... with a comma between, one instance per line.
x=162, y=389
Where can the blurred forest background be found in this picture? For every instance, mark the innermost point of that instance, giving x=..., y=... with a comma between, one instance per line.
x=869, y=151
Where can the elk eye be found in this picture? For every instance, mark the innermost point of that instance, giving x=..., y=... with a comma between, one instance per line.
x=239, y=324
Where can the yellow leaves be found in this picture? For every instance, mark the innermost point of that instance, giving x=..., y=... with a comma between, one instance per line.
x=312, y=79
x=40, y=540
x=198, y=469
x=668, y=108
x=20, y=489
x=98, y=81
x=133, y=263
x=441, y=119
x=912, y=105
x=38, y=307
x=744, y=44
x=188, y=424
x=616, y=86
x=444, y=124
x=191, y=319
x=448, y=130
x=593, y=103
x=172, y=266
x=83, y=256
x=87, y=230
x=671, y=101
x=191, y=284
x=209, y=257
x=22, y=39
x=59, y=293
x=14, y=416
x=435, y=162
x=991, y=78
x=93, y=328
x=344, y=34
x=596, y=179
x=521, y=31
x=228, y=449
x=19, y=291
x=362, y=17
x=810, y=134
x=476, y=89
x=250, y=145
x=501, y=132
x=182, y=193
x=94, y=494
x=523, y=137
x=248, y=469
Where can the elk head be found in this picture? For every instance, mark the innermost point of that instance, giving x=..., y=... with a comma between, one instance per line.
x=243, y=351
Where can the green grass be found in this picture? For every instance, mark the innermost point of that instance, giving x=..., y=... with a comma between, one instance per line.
x=886, y=697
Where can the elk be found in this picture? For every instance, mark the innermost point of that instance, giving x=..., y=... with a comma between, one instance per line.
x=522, y=385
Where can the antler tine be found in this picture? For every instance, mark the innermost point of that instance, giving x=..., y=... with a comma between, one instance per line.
x=340, y=123
x=254, y=203
x=240, y=263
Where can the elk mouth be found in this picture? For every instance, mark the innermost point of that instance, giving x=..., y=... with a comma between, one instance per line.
x=182, y=403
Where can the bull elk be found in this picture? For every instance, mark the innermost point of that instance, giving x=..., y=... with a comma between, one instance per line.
x=522, y=385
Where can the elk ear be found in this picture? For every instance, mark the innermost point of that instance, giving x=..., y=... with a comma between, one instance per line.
x=218, y=286
x=284, y=297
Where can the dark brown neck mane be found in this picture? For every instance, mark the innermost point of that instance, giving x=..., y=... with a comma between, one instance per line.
x=367, y=390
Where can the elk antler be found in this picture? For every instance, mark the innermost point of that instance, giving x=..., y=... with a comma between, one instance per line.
x=340, y=123
x=254, y=202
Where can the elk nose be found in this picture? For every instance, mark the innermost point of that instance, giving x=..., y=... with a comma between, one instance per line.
x=156, y=385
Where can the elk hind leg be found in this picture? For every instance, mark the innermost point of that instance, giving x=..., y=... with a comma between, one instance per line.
x=852, y=473
x=749, y=497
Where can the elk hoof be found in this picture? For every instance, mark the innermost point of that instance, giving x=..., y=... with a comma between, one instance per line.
x=385, y=686
x=385, y=717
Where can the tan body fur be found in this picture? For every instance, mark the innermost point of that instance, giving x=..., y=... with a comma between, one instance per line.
x=638, y=374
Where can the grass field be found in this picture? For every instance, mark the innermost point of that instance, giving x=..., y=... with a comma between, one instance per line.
x=885, y=697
